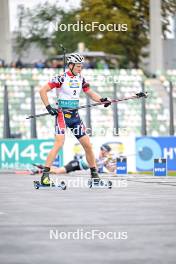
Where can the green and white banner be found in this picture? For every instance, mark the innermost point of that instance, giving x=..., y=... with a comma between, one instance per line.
x=22, y=153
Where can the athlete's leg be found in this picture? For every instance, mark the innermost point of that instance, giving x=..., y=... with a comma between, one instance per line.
x=85, y=142
x=79, y=131
x=56, y=170
x=59, y=141
x=60, y=127
x=73, y=165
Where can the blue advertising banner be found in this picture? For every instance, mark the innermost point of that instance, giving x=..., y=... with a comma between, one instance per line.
x=22, y=153
x=121, y=166
x=160, y=167
x=150, y=148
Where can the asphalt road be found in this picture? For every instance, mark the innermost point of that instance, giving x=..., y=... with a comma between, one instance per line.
x=134, y=222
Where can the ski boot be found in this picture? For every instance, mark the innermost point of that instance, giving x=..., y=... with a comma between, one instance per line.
x=45, y=179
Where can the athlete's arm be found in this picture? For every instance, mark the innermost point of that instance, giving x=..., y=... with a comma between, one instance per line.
x=86, y=88
x=55, y=82
x=94, y=96
x=97, y=98
x=43, y=94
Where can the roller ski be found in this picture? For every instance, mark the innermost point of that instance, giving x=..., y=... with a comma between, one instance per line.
x=96, y=182
x=39, y=185
x=47, y=182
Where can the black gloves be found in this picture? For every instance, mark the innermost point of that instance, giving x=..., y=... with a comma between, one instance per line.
x=104, y=100
x=52, y=111
x=141, y=94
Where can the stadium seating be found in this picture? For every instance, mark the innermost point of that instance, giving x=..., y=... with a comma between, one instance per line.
x=128, y=82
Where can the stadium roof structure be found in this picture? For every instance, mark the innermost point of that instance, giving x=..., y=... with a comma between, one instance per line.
x=91, y=54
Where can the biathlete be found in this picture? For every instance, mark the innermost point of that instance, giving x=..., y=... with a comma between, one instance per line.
x=69, y=85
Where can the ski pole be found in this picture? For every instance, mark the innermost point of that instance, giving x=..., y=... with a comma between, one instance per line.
x=136, y=96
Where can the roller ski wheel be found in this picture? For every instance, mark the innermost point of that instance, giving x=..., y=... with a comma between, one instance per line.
x=63, y=185
x=90, y=183
x=101, y=183
x=109, y=184
x=36, y=184
x=93, y=183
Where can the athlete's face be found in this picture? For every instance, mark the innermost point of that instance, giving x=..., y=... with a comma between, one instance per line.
x=103, y=153
x=77, y=68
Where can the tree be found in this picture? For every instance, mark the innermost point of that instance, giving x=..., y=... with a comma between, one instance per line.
x=40, y=25
x=129, y=45
x=135, y=13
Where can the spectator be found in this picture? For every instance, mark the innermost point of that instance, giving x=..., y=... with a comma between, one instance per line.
x=19, y=64
x=13, y=64
x=87, y=64
x=93, y=64
x=1, y=63
x=101, y=65
x=39, y=65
